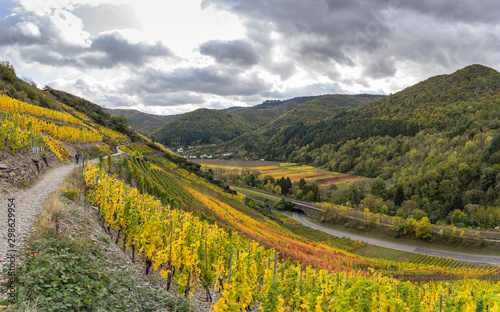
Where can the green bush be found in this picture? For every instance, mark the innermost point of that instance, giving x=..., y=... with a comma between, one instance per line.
x=71, y=194
x=424, y=230
x=284, y=204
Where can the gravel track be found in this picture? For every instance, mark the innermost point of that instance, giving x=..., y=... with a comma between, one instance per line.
x=29, y=204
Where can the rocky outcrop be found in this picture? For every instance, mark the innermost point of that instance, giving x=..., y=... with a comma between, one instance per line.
x=24, y=167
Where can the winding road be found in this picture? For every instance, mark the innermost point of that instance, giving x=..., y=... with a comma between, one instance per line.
x=493, y=260
x=469, y=257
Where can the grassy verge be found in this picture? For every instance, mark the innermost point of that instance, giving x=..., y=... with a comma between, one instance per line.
x=255, y=195
x=68, y=265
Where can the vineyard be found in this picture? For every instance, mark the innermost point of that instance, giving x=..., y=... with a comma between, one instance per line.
x=25, y=125
x=216, y=242
x=137, y=149
x=293, y=171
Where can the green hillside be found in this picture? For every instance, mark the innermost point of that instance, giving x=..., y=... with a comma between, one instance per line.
x=202, y=126
x=259, y=115
x=282, y=134
x=443, y=102
x=437, y=142
x=142, y=122
x=320, y=108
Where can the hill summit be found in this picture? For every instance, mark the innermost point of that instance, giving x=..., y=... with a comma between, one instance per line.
x=202, y=126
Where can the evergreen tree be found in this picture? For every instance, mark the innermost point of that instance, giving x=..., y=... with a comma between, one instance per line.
x=457, y=203
x=288, y=184
x=302, y=183
x=399, y=196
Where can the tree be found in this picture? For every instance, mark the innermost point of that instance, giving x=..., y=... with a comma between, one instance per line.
x=288, y=184
x=277, y=189
x=284, y=204
x=302, y=183
x=457, y=203
x=424, y=230
x=408, y=206
x=488, y=178
x=7, y=71
x=418, y=214
x=399, y=196
x=310, y=196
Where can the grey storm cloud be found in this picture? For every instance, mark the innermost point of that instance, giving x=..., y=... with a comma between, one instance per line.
x=208, y=80
x=173, y=99
x=237, y=52
x=105, y=17
x=380, y=69
x=118, y=50
x=38, y=39
x=319, y=34
x=466, y=11
x=25, y=30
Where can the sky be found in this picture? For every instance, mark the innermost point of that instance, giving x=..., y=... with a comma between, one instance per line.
x=174, y=56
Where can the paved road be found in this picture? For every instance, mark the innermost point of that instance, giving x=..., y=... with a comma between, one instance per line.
x=493, y=260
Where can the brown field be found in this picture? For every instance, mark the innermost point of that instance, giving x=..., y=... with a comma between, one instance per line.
x=236, y=163
x=335, y=180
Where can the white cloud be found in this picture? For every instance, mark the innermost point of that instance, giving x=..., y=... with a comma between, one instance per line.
x=29, y=29
x=70, y=28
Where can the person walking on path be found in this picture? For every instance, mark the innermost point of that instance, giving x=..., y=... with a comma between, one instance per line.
x=76, y=158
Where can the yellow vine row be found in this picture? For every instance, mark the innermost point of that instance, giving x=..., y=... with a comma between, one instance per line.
x=196, y=253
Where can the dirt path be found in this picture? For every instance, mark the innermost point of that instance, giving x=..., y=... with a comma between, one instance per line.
x=29, y=204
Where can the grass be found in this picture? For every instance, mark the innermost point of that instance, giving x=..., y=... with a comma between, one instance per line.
x=377, y=252
x=255, y=195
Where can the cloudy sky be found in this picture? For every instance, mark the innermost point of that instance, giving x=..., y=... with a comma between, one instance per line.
x=174, y=56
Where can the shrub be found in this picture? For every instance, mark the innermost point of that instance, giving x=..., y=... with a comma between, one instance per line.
x=71, y=194
x=424, y=230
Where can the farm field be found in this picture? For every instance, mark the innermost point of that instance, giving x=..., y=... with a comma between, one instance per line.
x=277, y=170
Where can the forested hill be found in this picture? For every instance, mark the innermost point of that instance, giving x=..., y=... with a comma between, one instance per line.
x=262, y=114
x=202, y=126
x=442, y=102
x=437, y=142
x=320, y=108
x=466, y=99
x=142, y=122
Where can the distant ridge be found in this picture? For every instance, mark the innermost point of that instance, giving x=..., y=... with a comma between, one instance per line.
x=142, y=122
